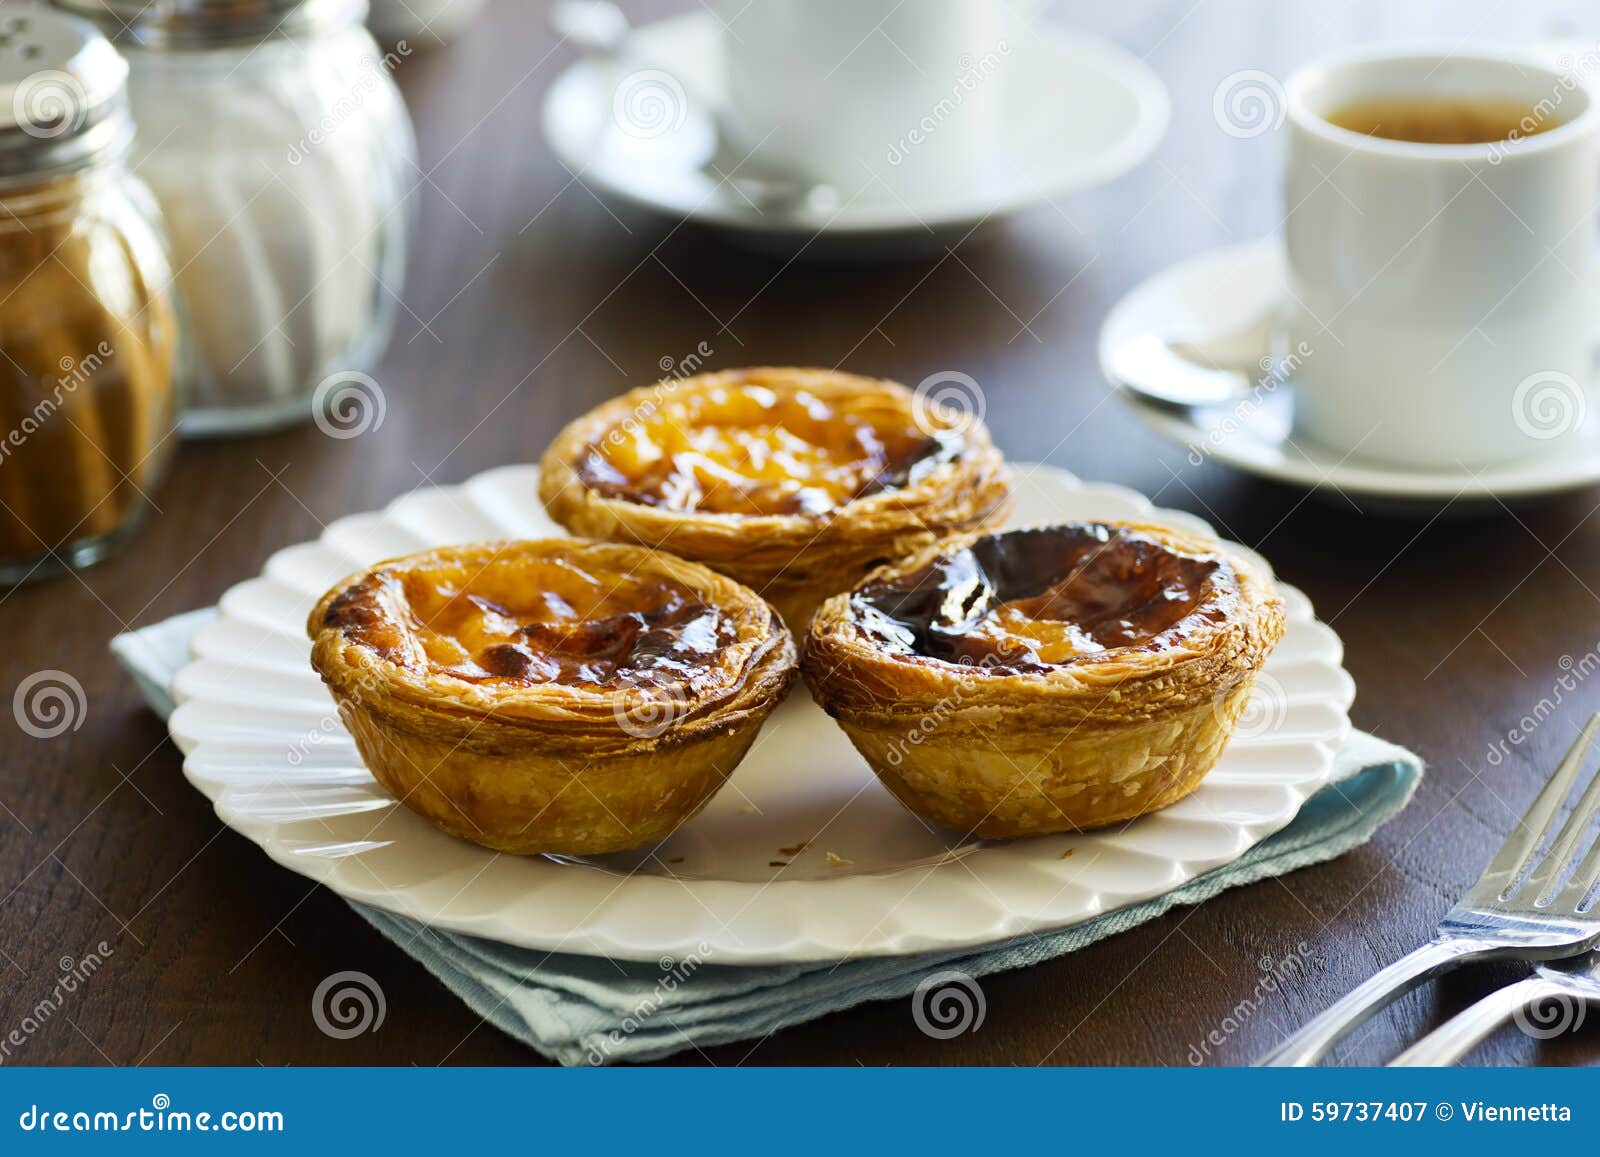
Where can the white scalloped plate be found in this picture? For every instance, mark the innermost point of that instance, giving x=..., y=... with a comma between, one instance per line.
x=735, y=884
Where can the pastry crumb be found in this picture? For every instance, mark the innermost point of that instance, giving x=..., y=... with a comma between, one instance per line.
x=777, y=863
x=794, y=849
x=748, y=809
x=1068, y=853
x=676, y=860
x=836, y=861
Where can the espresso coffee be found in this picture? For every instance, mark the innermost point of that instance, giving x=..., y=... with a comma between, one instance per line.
x=1443, y=120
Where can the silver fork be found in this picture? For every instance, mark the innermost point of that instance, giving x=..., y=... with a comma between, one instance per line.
x=1565, y=980
x=1516, y=910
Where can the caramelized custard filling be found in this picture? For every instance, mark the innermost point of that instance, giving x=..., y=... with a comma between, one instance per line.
x=1029, y=600
x=550, y=621
x=754, y=449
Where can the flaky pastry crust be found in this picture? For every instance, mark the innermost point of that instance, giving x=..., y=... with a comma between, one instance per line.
x=997, y=741
x=553, y=695
x=793, y=559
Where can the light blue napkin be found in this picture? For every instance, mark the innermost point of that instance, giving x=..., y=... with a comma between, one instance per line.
x=590, y=1010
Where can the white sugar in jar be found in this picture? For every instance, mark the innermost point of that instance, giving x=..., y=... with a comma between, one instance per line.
x=276, y=141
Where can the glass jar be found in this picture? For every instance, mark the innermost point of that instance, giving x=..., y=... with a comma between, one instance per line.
x=273, y=135
x=88, y=329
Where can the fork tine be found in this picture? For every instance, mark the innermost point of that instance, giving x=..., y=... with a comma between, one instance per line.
x=1584, y=877
x=1544, y=877
x=1531, y=830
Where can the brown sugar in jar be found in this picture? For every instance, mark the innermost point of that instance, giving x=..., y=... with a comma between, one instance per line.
x=88, y=332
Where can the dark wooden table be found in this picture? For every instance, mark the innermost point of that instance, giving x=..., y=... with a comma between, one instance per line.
x=527, y=302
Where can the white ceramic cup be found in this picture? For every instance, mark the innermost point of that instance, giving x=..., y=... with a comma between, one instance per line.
x=873, y=97
x=1445, y=292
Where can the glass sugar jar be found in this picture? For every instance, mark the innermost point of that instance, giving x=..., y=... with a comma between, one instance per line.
x=277, y=143
x=89, y=336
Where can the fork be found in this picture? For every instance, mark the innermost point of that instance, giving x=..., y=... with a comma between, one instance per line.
x=1517, y=910
x=1566, y=980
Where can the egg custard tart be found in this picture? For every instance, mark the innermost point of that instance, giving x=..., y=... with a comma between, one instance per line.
x=795, y=482
x=1046, y=680
x=550, y=696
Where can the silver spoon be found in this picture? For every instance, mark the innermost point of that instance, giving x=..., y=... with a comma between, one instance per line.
x=600, y=30
x=1196, y=371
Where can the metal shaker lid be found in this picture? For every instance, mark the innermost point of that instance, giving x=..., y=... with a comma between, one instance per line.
x=62, y=93
x=184, y=24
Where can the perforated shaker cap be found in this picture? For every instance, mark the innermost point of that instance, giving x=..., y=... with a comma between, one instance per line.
x=62, y=92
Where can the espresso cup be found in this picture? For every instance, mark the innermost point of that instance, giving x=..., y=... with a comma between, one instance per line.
x=1444, y=291
x=876, y=98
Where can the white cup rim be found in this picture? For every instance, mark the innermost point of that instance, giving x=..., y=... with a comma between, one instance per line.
x=1305, y=80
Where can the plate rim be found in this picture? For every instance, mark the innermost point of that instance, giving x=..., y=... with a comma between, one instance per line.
x=808, y=941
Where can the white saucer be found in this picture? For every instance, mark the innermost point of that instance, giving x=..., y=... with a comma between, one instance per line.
x=1221, y=291
x=1118, y=114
